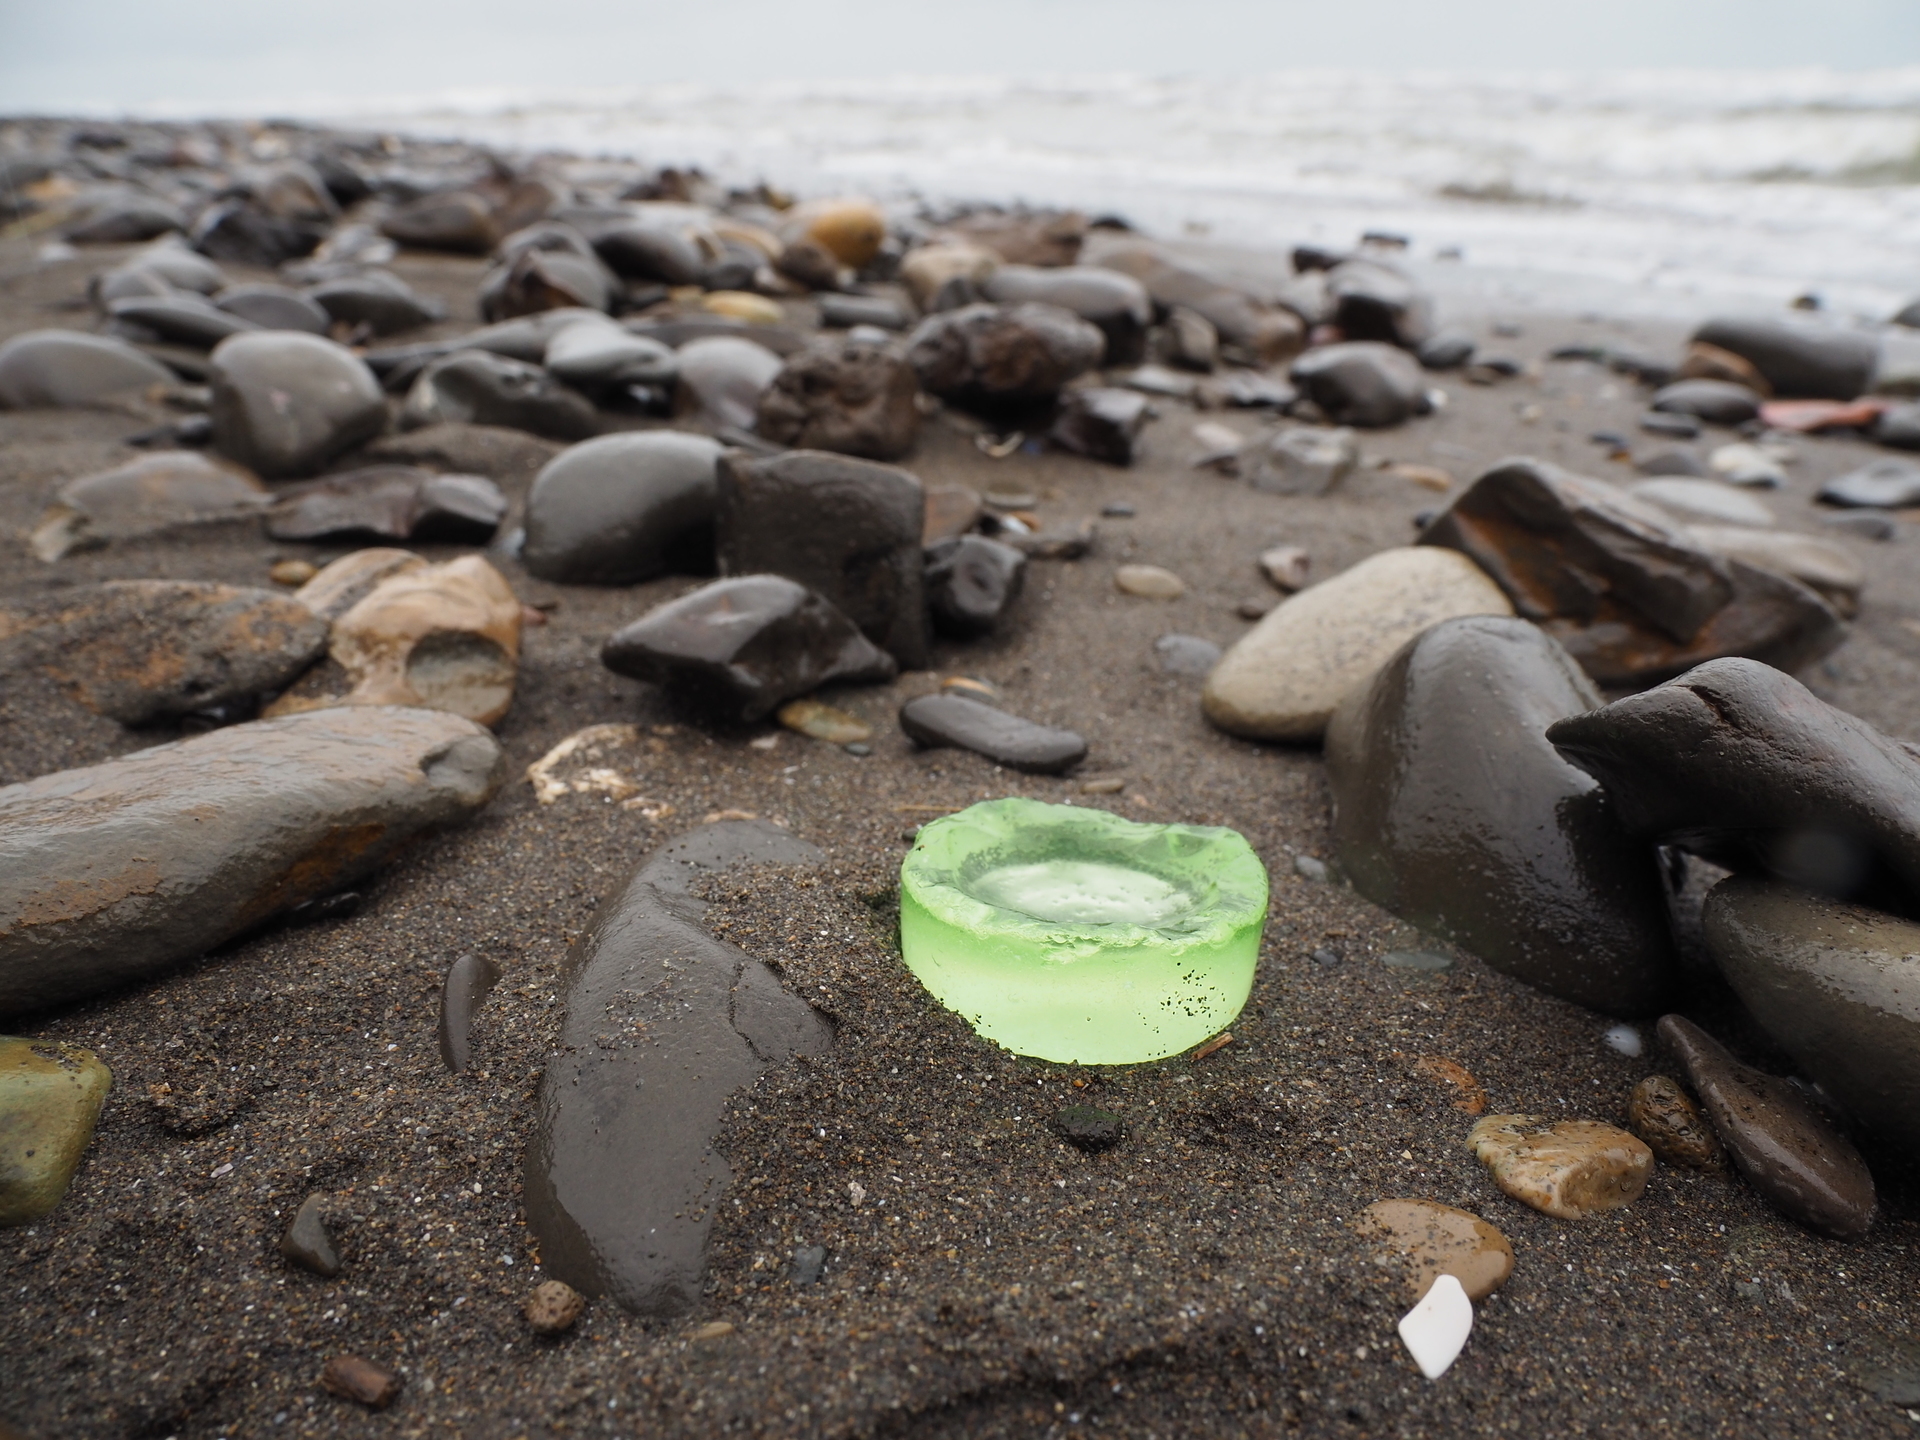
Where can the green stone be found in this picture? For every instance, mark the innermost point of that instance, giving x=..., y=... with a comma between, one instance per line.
x=1074, y=935
x=50, y=1097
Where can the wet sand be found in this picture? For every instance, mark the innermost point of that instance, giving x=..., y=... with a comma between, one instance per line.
x=1201, y=1278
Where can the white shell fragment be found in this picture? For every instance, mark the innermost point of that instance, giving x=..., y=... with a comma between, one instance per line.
x=1435, y=1331
x=1625, y=1039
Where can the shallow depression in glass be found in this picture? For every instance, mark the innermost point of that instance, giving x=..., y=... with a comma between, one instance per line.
x=1076, y=935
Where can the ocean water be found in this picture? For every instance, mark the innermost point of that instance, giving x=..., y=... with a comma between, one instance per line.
x=1660, y=191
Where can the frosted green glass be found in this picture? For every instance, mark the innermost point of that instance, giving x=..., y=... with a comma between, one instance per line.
x=1075, y=935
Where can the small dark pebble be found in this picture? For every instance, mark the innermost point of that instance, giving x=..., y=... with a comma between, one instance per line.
x=1088, y=1129
x=1424, y=518
x=1680, y=427
x=1612, y=439
x=352, y=1378
x=809, y=1265
x=307, y=1243
x=1255, y=607
x=1326, y=959
x=1118, y=510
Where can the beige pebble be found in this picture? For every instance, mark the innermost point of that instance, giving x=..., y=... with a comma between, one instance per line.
x=1109, y=786
x=824, y=722
x=553, y=1307
x=712, y=1330
x=292, y=573
x=1286, y=567
x=1149, y=582
x=742, y=305
x=1567, y=1168
x=1434, y=1239
x=1674, y=1127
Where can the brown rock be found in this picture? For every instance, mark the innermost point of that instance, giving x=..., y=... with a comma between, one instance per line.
x=553, y=1307
x=453, y=220
x=292, y=573
x=1045, y=238
x=1434, y=1240
x=996, y=355
x=1664, y=1115
x=1570, y=1168
x=848, y=396
x=824, y=722
x=850, y=230
x=336, y=589
x=352, y=1378
x=1468, y=1092
x=1709, y=362
x=1250, y=331
x=947, y=274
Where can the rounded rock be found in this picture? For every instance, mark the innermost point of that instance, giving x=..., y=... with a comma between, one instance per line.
x=624, y=508
x=284, y=404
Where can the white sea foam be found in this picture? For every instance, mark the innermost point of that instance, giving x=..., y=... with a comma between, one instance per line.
x=1671, y=190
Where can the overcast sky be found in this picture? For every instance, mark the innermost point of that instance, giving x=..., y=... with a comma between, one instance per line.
x=110, y=55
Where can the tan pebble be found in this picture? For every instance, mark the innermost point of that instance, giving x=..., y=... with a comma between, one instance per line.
x=967, y=685
x=742, y=305
x=824, y=722
x=1102, y=787
x=1149, y=582
x=1286, y=567
x=1568, y=1168
x=1665, y=1116
x=714, y=817
x=1435, y=1239
x=1470, y=1097
x=352, y=1378
x=1428, y=477
x=553, y=1307
x=712, y=1330
x=851, y=230
x=293, y=573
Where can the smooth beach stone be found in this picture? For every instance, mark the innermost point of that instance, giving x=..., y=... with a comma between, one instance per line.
x=971, y=581
x=274, y=307
x=394, y=502
x=1453, y=811
x=1879, y=484
x=1186, y=654
x=442, y=637
x=847, y=529
x=1088, y=1129
x=1303, y=460
x=1001, y=355
x=846, y=396
x=1372, y=301
x=1899, y=427
x=352, y=1378
x=284, y=404
x=1675, y=1129
x=620, y=509
x=138, y=651
x=147, y=496
x=1362, y=382
x=1676, y=427
x=1786, y=1148
x=1704, y=500
x=475, y=387
x=537, y=280
x=1283, y=679
x=1251, y=331
x=725, y=378
x=844, y=312
x=469, y=980
x=182, y=320
x=1569, y=1169
x=1431, y=1240
x=1797, y=358
x=1702, y=361
x=1718, y=402
x=127, y=282
x=1744, y=766
x=1448, y=350
x=1838, y=986
x=947, y=274
x=50, y=1099
x=1117, y=303
x=1149, y=582
x=306, y=1242
x=1821, y=565
x=622, y=1178
x=1286, y=567
x=600, y=356
x=1192, y=341
x=381, y=301
x=639, y=248
x=64, y=369
x=124, y=221
x=457, y=220
x=1436, y=1330
x=120, y=870
x=746, y=645
x=1101, y=422
x=181, y=267
x=850, y=229
x=819, y=721
x=1748, y=465
x=946, y=719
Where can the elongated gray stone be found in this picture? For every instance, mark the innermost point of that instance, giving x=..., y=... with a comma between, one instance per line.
x=115, y=871
x=664, y=1021
x=469, y=980
x=60, y=369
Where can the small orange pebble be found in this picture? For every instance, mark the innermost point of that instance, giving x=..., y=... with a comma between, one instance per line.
x=1472, y=1099
x=1218, y=1042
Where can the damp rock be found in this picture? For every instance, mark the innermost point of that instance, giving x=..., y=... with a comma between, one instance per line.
x=601, y=358
x=275, y=307
x=148, y=496
x=180, y=320
x=474, y=387
x=849, y=396
x=1250, y=330
x=1429, y=1240
x=1009, y=740
x=542, y=276
x=1661, y=1113
x=1718, y=402
x=1118, y=304
x=1088, y=1129
x=1100, y=422
x=1367, y=383
x=991, y=356
x=724, y=378
x=624, y=508
x=1811, y=360
x=745, y=645
x=1302, y=461
x=50, y=1099
x=1829, y=570
x=306, y=1243
x=382, y=302
x=457, y=220
x=64, y=369
x=285, y=404
x=1375, y=302
x=622, y=1178
x=1569, y=1169
x=971, y=581
x=390, y=502
x=183, y=846
x=469, y=981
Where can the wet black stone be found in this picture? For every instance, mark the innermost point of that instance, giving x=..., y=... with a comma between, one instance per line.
x=1100, y=422
x=971, y=581
x=1879, y=484
x=239, y=232
x=1118, y=304
x=746, y=645
x=848, y=529
x=1798, y=358
x=1372, y=301
x=384, y=303
x=1719, y=402
x=1899, y=427
x=995, y=356
x=306, y=1242
x=636, y=250
x=539, y=279
x=936, y=720
x=469, y=979
x=284, y=404
x=1365, y=383
x=1088, y=1129
x=274, y=307
x=476, y=387
x=624, y=508
x=1448, y=350
x=622, y=1180
x=182, y=319
x=849, y=396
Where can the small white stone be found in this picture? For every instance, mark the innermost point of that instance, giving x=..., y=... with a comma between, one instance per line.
x=1310, y=867
x=1435, y=1331
x=1625, y=1039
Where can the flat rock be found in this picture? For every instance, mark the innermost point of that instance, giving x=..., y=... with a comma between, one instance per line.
x=847, y=529
x=285, y=404
x=1708, y=501
x=819, y=721
x=1118, y=304
x=119, y=870
x=1453, y=811
x=475, y=387
x=1431, y=1240
x=1283, y=679
x=1797, y=358
x=1744, y=766
x=622, y=1178
x=1302, y=460
x=1788, y=1151
x=1837, y=986
x=50, y=1099
x=306, y=1242
x=148, y=496
x=1362, y=382
x=377, y=299
x=745, y=645
x=457, y=220
x=275, y=307
x=1186, y=655
x=1101, y=422
x=180, y=319
x=848, y=396
x=1821, y=565
x=620, y=509
x=1569, y=1169
x=1003, y=355
x=1372, y=301
x=1661, y=1113
x=600, y=357
x=144, y=650
x=971, y=581
x=391, y=502
x=64, y=369
x=947, y=719
x=1718, y=402
x=724, y=377
x=1879, y=484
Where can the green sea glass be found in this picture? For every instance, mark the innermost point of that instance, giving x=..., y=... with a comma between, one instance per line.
x=1075, y=935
